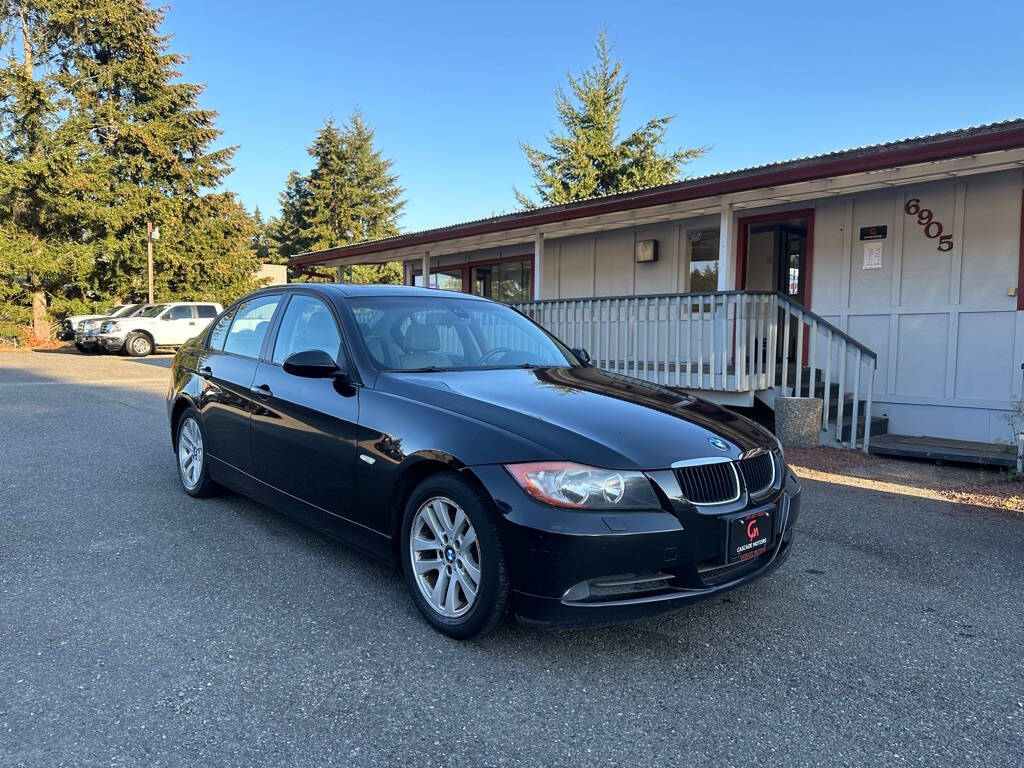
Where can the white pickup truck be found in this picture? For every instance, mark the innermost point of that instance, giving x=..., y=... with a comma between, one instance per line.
x=163, y=326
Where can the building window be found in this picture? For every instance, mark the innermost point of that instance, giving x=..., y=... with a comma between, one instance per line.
x=703, y=261
x=507, y=281
x=447, y=279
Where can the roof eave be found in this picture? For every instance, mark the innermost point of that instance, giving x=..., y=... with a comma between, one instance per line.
x=739, y=181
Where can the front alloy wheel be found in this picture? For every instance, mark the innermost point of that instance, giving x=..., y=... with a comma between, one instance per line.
x=452, y=558
x=445, y=557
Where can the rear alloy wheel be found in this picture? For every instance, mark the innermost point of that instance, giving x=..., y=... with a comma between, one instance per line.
x=138, y=345
x=190, y=449
x=452, y=558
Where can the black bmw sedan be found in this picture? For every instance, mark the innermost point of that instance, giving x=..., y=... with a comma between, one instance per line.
x=501, y=470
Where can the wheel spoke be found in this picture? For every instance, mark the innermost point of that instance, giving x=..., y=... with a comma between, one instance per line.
x=440, y=587
x=419, y=544
x=450, y=597
x=427, y=566
x=442, y=515
x=472, y=570
x=469, y=539
x=468, y=588
x=460, y=520
x=427, y=514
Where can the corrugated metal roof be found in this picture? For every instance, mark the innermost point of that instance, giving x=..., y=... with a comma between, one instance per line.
x=752, y=172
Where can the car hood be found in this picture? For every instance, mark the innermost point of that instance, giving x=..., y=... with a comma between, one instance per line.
x=588, y=415
x=76, y=319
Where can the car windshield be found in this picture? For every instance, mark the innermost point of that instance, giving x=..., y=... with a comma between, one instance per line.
x=420, y=333
x=153, y=311
x=123, y=311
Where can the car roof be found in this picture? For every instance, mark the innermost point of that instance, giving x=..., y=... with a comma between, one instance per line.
x=349, y=290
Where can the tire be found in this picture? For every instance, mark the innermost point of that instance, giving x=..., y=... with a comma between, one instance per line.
x=138, y=345
x=454, y=613
x=195, y=483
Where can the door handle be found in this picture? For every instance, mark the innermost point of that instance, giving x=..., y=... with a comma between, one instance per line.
x=206, y=371
x=262, y=391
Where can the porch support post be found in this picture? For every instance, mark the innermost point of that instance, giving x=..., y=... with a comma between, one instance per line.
x=407, y=273
x=726, y=246
x=426, y=269
x=538, y=264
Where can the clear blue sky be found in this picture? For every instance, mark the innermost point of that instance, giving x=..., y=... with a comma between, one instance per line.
x=452, y=88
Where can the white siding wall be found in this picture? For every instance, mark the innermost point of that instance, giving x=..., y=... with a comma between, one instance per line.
x=948, y=335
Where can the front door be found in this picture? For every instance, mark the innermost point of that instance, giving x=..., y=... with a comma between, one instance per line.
x=303, y=429
x=178, y=325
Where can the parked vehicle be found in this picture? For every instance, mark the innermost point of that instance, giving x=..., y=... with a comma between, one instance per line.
x=87, y=332
x=69, y=326
x=453, y=435
x=162, y=326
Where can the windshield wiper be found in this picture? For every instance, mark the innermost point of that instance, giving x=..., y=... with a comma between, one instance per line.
x=424, y=369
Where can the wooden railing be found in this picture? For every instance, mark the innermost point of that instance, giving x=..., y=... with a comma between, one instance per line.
x=726, y=341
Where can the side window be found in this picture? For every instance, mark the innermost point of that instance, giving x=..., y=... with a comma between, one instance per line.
x=220, y=332
x=307, y=324
x=252, y=320
x=206, y=311
x=180, y=313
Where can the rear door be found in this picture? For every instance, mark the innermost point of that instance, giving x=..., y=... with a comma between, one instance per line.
x=227, y=366
x=304, y=430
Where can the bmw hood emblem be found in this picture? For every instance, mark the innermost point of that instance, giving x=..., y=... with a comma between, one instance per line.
x=719, y=443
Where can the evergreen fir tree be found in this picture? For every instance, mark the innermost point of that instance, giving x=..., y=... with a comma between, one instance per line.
x=588, y=159
x=98, y=137
x=351, y=195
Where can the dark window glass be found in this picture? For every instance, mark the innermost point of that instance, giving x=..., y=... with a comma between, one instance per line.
x=206, y=310
x=252, y=320
x=704, y=261
x=508, y=281
x=307, y=324
x=220, y=331
x=180, y=313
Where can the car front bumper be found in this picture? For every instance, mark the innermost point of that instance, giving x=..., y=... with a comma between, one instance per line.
x=86, y=339
x=571, y=568
x=111, y=343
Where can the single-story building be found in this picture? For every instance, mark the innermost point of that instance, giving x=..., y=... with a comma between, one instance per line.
x=886, y=280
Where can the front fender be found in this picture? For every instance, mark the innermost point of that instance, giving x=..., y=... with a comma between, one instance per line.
x=400, y=438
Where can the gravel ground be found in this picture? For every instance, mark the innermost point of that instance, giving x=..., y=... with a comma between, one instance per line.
x=140, y=627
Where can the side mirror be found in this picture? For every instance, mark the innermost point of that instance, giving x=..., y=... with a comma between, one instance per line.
x=312, y=364
x=582, y=354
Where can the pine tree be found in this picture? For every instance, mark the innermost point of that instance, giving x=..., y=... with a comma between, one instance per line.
x=98, y=137
x=351, y=195
x=588, y=159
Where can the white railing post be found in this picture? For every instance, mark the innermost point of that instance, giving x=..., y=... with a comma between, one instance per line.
x=828, y=381
x=841, y=392
x=856, y=399
x=867, y=405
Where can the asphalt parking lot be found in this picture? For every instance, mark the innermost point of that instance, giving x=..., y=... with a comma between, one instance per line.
x=141, y=627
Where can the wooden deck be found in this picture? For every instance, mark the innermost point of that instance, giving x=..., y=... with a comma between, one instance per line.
x=944, y=449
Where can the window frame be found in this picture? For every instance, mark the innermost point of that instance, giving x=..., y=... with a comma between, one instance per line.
x=268, y=357
x=273, y=320
x=347, y=365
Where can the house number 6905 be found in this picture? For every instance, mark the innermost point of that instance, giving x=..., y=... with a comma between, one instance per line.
x=932, y=228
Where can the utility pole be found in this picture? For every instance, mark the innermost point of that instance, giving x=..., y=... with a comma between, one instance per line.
x=152, y=233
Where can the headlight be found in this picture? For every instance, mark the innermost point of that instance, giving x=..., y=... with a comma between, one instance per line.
x=565, y=484
x=114, y=328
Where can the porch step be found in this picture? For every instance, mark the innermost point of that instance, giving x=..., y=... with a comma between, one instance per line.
x=945, y=449
x=879, y=427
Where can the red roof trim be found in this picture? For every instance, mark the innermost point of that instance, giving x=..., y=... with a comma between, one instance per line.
x=856, y=161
